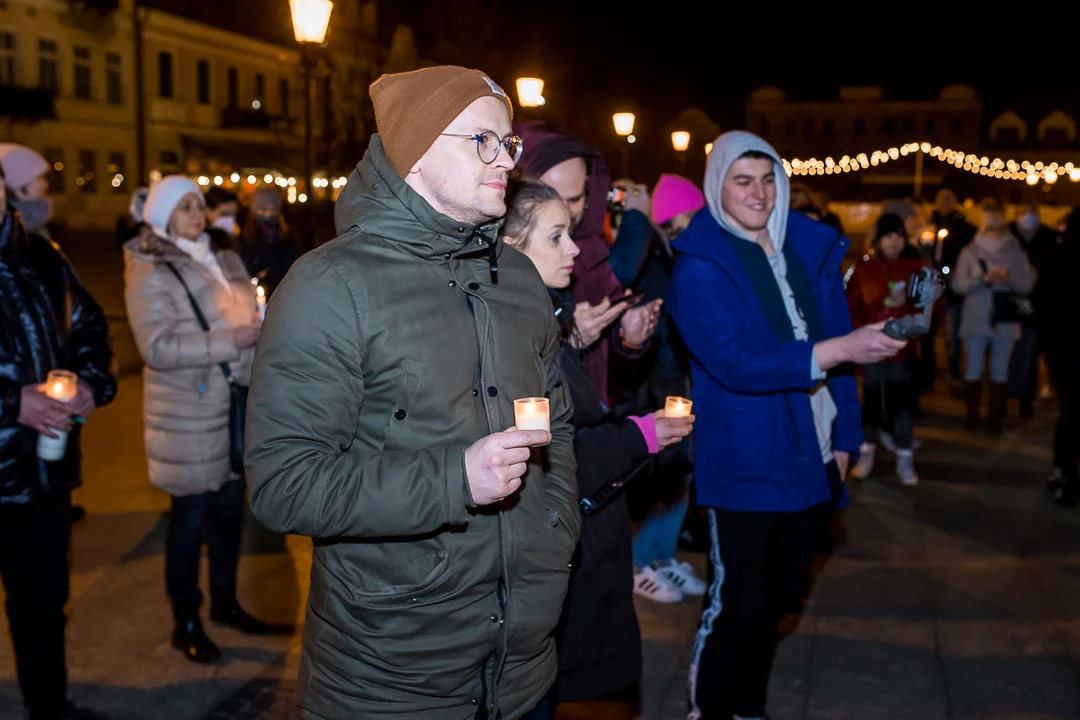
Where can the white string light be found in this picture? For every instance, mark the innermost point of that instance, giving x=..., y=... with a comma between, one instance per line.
x=1031, y=173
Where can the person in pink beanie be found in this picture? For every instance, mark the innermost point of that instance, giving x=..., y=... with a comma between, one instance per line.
x=674, y=202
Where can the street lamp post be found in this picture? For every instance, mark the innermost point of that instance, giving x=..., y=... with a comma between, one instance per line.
x=310, y=19
x=624, y=127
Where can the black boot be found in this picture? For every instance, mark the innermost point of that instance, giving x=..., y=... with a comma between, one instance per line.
x=224, y=610
x=997, y=401
x=972, y=396
x=188, y=637
x=1063, y=490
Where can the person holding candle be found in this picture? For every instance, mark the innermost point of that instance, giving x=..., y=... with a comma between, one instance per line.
x=54, y=371
x=381, y=424
x=267, y=244
x=600, y=641
x=758, y=297
x=177, y=281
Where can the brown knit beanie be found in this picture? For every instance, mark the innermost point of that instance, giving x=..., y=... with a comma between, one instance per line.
x=413, y=108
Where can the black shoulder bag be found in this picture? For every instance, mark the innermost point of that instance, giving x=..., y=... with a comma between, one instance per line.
x=238, y=393
x=1009, y=307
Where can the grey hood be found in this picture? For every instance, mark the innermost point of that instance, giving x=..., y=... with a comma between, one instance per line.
x=728, y=148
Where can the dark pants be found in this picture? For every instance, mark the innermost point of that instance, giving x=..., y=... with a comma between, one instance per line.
x=758, y=564
x=887, y=402
x=1024, y=367
x=224, y=512
x=34, y=542
x=1065, y=376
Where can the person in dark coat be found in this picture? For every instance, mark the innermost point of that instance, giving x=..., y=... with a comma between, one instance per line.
x=1040, y=244
x=48, y=321
x=599, y=639
x=267, y=245
x=581, y=177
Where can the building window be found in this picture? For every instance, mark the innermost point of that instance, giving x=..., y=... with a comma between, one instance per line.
x=908, y=125
x=827, y=127
x=283, y=96
x=165, y=74
x=890, y=125
x=8, y=53
x=55, y=158
x=352, y=128
x=1008, y=136
x=117, y=172
x=87, y=180
x=929, y=125
x=1057, y=136
x=48, y=69
x=114, y=79
x=234, y=87
x=859, y=126
x=260, y=92
x=763, y=127
x=808, y=126
x=169, y=158
x=789, y=127
x=83, y=91
x=957, y=126
x=202, y=81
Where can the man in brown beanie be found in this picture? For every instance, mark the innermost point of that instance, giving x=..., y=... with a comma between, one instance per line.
x=380, y=424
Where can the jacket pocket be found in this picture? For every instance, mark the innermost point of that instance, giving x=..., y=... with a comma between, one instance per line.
x=408, y=389
x=409, y=582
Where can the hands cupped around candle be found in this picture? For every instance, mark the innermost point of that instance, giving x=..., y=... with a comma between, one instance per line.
x=495, y=464
x=40, y=412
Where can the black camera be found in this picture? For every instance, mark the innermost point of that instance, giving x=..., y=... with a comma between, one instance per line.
x=925, y=287
x=616, y=199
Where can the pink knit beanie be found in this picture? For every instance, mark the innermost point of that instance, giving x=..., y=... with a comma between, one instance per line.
x=673, y=196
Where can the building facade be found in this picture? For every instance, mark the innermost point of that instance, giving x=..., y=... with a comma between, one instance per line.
x=217, y=105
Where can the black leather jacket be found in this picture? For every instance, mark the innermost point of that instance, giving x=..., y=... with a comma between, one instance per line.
x=47, y=320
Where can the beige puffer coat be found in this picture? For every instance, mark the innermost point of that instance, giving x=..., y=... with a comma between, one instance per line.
x=185, y=393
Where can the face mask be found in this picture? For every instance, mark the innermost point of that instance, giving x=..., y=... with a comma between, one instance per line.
x=226, y=223
x=35, y=213
x=1028, y=222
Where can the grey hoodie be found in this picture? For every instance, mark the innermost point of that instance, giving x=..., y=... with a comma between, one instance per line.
x=728, y=148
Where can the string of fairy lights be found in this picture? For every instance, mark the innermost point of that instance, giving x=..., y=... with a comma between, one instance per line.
x=1025, y=171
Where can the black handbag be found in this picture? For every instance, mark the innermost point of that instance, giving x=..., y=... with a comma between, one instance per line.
x=1009, y=307
x=238, y=394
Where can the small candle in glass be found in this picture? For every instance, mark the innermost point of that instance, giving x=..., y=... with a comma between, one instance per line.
x=532, y=414
x=260, y=299
x=63, y=386
x=677, y=407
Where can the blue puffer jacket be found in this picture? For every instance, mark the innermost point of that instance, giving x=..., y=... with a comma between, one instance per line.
x=757, y=447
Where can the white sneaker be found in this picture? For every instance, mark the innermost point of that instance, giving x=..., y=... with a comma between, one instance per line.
x=680, y=575
x=865, y=465
x=905, y=468
x=648, y=584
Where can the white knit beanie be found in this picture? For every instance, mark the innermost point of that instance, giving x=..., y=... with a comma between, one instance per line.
x=21, y=164
x=163, y=198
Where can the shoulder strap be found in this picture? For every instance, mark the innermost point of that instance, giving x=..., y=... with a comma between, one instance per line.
x=198, y=313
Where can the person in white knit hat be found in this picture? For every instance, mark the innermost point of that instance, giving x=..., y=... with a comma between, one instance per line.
x=192, y=310
x=28, y=189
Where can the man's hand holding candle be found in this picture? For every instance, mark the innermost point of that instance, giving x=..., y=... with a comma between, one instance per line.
x=40, y=412
x=495, y=464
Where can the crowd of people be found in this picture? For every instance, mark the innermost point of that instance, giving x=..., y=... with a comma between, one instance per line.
x=469, y=561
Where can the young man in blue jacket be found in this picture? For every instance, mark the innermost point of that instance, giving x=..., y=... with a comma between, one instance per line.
x=758, y=297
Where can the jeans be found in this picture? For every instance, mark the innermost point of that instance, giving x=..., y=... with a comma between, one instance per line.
x=887, y=403
x=1000, y=351
x=34, y=543
x=658, y=536
x=183, y=547
x=758, y=564
x=1024, y=366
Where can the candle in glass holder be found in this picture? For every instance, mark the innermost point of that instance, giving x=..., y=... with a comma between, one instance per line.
x=532, y=414
x=260, y=299
x=677, y=407
x=61, y=385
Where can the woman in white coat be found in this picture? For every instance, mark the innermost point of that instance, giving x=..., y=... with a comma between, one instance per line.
x=186, y=397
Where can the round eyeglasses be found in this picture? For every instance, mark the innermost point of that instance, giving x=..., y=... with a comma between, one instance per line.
x=488, y=145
